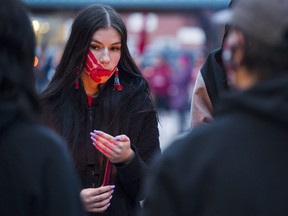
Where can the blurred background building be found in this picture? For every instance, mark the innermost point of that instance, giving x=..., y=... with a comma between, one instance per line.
x=169, y=40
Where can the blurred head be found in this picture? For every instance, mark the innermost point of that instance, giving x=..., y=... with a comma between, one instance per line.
x=17, y=46
x=257, y=40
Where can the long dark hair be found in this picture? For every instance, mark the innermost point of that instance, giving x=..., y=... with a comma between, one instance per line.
x=61, y=96
x=17, y=47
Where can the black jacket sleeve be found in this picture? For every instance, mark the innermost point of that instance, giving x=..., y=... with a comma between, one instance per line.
x=144, y=136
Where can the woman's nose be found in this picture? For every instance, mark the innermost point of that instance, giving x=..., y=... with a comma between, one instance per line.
x=105, y=57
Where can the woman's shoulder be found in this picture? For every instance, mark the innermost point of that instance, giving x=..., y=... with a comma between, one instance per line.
x=143, y=104
x=137, y=88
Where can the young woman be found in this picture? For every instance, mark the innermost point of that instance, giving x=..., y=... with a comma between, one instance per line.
x=99, y=101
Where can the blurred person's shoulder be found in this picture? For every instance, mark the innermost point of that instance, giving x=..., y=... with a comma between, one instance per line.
x=34, y=137
x=201, y=142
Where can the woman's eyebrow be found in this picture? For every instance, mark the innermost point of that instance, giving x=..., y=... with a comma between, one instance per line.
x=96, y=41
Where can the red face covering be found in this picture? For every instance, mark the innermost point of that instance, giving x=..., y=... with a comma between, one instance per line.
x=94, y=69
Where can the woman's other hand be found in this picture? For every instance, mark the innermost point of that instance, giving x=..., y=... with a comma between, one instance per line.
x=116, y=149
x=97, y=199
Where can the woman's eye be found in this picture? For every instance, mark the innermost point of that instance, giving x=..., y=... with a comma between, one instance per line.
x=115, y=49
x=94, y=47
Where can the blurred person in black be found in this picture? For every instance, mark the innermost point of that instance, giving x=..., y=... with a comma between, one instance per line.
x=236, y=165
x=210, y=82
x=37, y=176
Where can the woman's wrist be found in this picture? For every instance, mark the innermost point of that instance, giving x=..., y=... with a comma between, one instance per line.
x=128, y=160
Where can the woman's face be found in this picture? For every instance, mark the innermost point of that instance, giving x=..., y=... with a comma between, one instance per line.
x=103, y=55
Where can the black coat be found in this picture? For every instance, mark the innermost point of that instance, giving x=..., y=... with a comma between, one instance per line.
x=37, y=176
x=139, y=122
x=214, y=76
x=237, y=165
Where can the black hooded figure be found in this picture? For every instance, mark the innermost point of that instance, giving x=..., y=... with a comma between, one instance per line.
x=37, y=177
x=209, y=84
